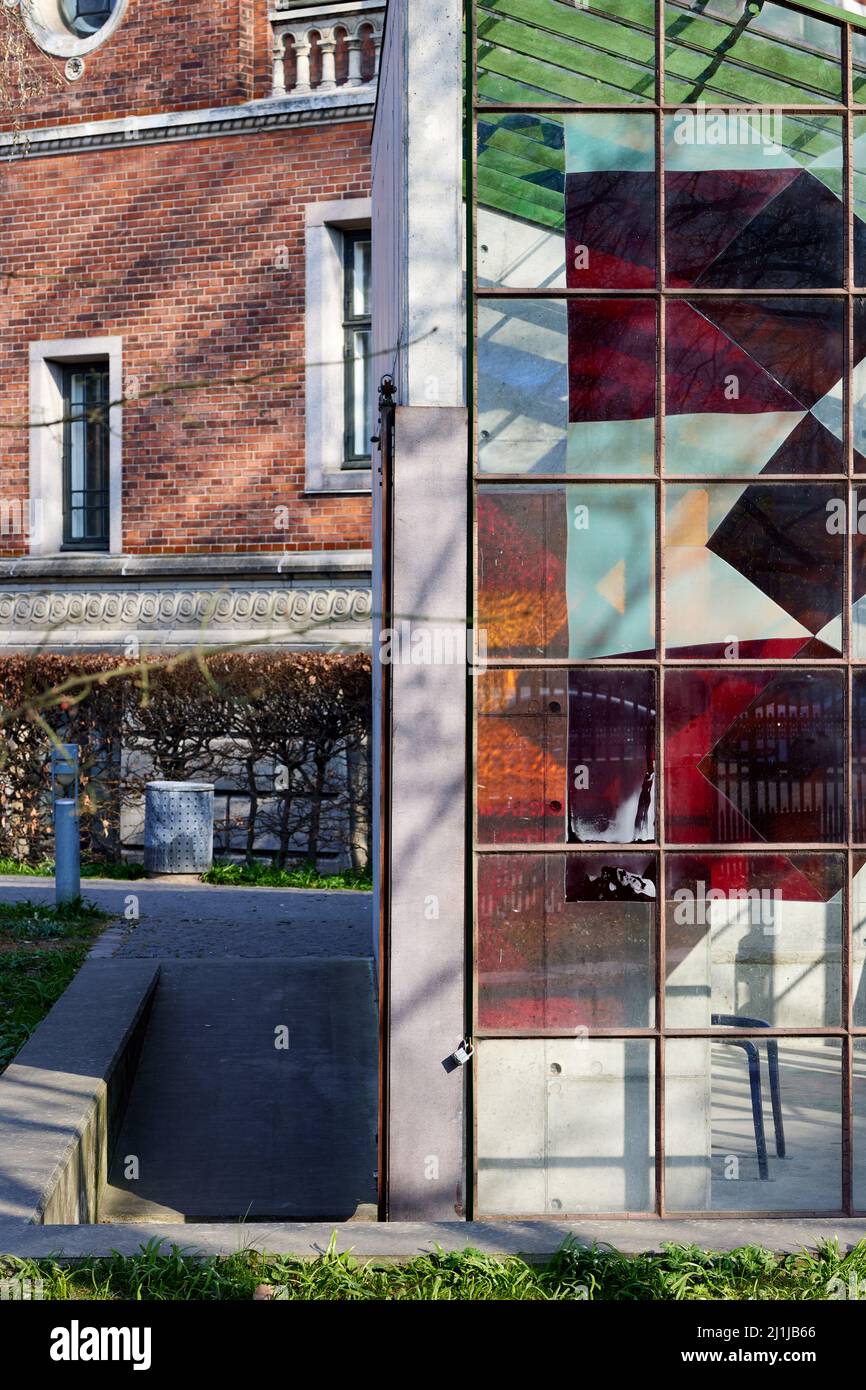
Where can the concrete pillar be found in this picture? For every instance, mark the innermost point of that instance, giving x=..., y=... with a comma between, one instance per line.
x=425, y=1141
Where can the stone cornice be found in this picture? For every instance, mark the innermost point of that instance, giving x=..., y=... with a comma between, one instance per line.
x=292, y=567
x=272, y=113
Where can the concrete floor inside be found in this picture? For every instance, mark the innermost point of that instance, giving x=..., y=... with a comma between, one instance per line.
x=808, y=1178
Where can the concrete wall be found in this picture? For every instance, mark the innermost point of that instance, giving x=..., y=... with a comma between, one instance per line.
x=63, y=1099
x=419, y=336
x=425, y=1127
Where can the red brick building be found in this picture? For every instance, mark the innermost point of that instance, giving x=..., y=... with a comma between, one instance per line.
x=184, y=201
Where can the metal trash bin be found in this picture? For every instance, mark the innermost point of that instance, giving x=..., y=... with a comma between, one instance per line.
x=178, y=827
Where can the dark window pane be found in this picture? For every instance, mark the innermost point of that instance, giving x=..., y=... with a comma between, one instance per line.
x=754, y=937
x=566, y=941
x=86, y=457
x=858, y=754
x=611, y=756
x=754, y=755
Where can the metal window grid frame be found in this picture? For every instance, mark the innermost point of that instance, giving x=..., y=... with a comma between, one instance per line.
x=848, y=1034
x=93, y=499
x=352, y=323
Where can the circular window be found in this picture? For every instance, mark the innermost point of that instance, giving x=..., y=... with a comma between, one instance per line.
x=86, y=17
x=71, y=28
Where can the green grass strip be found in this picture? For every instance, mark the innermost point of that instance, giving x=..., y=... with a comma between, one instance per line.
x=162, y=1273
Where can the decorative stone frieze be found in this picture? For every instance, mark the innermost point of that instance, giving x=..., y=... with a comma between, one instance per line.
x=177, y=616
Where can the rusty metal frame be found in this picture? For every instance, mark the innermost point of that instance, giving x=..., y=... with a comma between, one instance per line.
x=847, y=1032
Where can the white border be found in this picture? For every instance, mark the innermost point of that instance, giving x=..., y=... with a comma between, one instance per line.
x=52, y=38
x=324, y=346
x=46, y=437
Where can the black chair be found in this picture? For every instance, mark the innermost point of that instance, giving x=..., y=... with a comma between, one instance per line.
x=751, y=1051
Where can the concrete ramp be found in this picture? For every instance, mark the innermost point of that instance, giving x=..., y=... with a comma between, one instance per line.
x=255, y=1096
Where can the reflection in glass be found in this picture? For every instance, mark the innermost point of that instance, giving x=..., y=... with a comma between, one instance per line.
x=754, y=755
x=754, y=939
x=522, y=396
x=754, y=571
x=564, y=1125
x=858, y=940
x=739, y=52
x=520, y=192
x=550, y=954
x=560, y=52
x=859, y=1136
x=755, y=1127
x=566, y=571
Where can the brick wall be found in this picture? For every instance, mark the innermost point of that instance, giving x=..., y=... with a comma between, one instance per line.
x=177, y=249
x=165, y=55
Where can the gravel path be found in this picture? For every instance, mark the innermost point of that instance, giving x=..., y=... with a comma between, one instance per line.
x=200, y=921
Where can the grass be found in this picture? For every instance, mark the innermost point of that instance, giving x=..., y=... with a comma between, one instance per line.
x=41, y=948
x=45, y=869
x=574, y=1274
x=261, y=875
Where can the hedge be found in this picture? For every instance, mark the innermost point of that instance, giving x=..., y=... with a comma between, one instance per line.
x=289, y=730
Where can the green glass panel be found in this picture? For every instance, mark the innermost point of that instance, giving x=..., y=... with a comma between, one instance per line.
x=537, y=50
x=742, y=51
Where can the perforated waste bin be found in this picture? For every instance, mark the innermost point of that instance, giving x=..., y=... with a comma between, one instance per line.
x=178, y=827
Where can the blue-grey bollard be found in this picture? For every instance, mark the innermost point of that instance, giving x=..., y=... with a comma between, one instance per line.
x=178, y=827
x=67, y=854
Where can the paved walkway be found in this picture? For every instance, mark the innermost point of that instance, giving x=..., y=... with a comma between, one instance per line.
x=206, y=922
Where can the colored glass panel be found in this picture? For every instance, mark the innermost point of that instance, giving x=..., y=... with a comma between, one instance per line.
x=754, y=755
x=753, y=201
x=566, y=571
x=754, y=570
x=745, y=391
x=565, y=941
x=610, y=203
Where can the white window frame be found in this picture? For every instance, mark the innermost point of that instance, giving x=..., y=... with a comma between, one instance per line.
x=324, y=339
x=47, y=360
x=49, y=31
